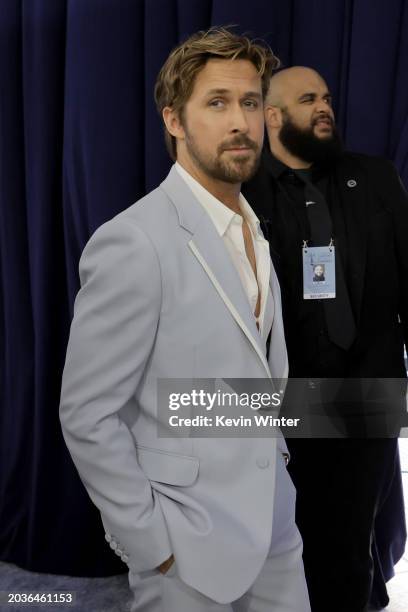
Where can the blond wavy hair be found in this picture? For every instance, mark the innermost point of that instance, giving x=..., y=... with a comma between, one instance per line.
x=176, y=78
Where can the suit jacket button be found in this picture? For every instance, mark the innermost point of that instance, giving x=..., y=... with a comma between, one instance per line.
x=262, y=462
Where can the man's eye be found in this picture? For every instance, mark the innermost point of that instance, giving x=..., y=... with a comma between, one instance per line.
x=307, y=100
x=216, y=103
x=251, y=103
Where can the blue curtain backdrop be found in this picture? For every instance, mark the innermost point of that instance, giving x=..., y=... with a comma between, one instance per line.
x=79, y=142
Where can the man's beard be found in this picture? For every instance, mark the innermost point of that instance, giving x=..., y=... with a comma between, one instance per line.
x=304, y=144
x=233, y=171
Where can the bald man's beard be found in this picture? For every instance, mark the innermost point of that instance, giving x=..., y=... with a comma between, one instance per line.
x=304, y=144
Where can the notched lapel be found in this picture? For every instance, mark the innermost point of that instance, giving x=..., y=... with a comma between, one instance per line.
x=353, y=190
x=278, y=358
x=207, y=246
x=209, y=249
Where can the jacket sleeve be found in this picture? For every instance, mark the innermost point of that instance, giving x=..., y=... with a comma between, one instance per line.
x=112, y=334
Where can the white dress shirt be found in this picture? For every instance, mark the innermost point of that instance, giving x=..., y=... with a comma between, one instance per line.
x=229, y=226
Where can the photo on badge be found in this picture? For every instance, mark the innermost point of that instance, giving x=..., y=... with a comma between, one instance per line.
x=319, y=273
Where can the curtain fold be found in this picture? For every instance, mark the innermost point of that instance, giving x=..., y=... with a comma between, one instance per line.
x=80, y=140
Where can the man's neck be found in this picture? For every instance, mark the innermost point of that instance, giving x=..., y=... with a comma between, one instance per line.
x=227, y=193
x=293, y=162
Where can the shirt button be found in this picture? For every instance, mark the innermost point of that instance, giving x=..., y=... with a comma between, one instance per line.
x=262, y=462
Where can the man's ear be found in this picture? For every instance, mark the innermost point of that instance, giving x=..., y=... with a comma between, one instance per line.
x=273, y=116
x=173, y=124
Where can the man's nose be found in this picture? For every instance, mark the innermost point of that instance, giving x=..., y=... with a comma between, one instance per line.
x=238, y=119
x=324, y=106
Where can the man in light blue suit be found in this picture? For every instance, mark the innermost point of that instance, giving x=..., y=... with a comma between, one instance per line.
x=180, y=285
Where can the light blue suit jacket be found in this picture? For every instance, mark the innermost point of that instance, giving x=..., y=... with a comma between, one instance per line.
x=161, y=298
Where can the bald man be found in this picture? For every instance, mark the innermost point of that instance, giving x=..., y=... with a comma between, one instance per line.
x=321, y=206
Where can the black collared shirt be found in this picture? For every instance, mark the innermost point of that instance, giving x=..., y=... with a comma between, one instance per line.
x=277, y=196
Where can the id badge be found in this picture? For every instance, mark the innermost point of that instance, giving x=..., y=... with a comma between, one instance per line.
x=319, y=273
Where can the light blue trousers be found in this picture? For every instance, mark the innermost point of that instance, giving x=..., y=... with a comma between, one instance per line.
x=279, y=587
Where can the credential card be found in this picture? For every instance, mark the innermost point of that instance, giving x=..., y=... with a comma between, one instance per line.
x=319, y=273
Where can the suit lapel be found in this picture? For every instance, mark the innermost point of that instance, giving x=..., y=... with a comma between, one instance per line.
x=209, y=249
x=278, y=358
x=353, y=191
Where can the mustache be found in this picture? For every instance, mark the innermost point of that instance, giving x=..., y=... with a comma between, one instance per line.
x=323, y=116
x=238, y=141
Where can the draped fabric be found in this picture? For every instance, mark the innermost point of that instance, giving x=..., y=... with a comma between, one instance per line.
x=80, y=141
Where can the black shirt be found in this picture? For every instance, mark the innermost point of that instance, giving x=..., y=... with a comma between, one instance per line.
x=277, y=196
